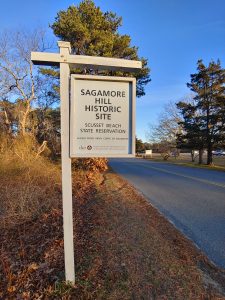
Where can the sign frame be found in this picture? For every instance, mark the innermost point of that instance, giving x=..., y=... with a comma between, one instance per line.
x=65, y=60
x=132, y=114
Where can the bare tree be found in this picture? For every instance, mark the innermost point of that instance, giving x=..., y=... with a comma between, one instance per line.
x=165, y=132
x=17, y=78
x=167, y=126
x=25, y=93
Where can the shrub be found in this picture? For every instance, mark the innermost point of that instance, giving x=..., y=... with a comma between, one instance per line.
x=90, y=164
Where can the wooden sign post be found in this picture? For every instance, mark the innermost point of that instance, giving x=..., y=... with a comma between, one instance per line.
x=64, y=60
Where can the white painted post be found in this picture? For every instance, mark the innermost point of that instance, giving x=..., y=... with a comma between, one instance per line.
x=66, y=162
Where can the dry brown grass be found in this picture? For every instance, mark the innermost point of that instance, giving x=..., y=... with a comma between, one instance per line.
x=30, y=184
x=27, y=188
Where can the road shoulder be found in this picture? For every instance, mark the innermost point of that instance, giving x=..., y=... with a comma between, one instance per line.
x=138, y=241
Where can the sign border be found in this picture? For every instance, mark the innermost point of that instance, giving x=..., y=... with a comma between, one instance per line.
x=132, y=115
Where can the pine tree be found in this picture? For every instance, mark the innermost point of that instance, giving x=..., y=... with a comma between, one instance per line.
x=209, y=102
x=140, y=146
x=191, y=136
x=93, y=32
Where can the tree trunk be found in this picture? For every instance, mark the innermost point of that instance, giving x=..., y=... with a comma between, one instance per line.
x=24, y=121
x=200, y=156
x=192, y=155
x=209, y=154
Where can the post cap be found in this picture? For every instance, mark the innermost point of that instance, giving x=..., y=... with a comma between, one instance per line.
x=62, y=44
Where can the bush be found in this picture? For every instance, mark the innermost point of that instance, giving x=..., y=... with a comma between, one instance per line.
x=90, y=164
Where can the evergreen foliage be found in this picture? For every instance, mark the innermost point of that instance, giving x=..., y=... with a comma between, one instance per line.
x=204, y=119
x=140, y=146
x=93, y=32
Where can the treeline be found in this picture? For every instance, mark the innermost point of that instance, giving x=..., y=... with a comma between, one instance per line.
x=142, y=146
x=198, y=122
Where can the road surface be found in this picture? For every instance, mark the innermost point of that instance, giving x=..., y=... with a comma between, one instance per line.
x=192, y=198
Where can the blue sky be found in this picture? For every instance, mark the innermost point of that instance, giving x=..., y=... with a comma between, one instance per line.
x=172, y=34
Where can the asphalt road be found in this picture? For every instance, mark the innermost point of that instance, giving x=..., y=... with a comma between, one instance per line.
x=193, y=199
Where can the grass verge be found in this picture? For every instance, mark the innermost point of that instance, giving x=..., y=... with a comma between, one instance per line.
x=186, y=163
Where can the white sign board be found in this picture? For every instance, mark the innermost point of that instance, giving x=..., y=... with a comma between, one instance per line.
x=148, y=152
x=102, y=116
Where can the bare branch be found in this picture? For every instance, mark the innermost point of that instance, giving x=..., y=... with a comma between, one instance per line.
x=41, y=149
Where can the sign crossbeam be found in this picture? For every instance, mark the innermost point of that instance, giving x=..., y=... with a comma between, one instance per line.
x=82, y=61
x=65, y=60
